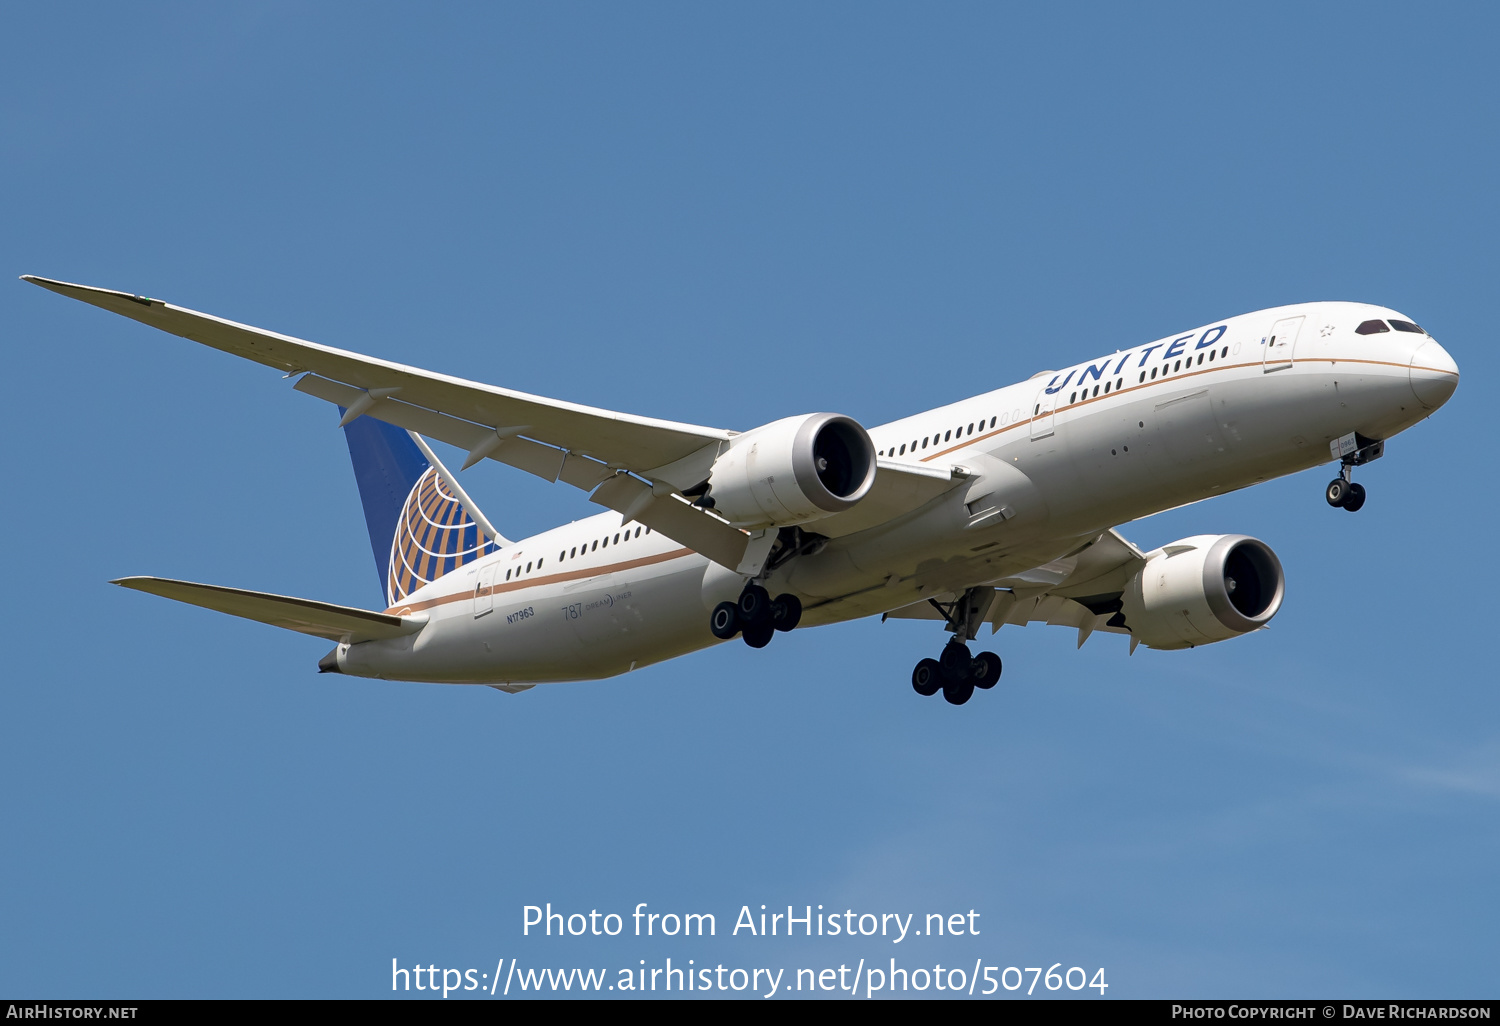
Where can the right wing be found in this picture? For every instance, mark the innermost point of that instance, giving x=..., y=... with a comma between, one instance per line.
x=1082, y=589
x=321, y=619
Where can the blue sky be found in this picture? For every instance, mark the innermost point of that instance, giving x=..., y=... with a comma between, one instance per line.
x=727, y=215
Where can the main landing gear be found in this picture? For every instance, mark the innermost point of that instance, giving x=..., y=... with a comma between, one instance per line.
x=756, y=615
x=1358, y=450
x=956, y=673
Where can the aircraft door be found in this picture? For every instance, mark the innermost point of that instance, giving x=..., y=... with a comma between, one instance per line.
x=1281, y=343
x=1041, y=415
x=484, y=595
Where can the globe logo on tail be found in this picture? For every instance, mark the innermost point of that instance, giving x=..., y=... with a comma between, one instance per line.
x=434, y=536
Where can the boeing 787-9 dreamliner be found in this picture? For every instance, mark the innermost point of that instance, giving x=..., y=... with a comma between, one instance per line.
x=998, y=509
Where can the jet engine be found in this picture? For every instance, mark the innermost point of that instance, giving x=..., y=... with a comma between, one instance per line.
x=1203, y=589
x=792, y=471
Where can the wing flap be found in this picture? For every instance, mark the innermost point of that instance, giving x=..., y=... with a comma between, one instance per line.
x=545, y=461
x=674, y=517
x=306, y=616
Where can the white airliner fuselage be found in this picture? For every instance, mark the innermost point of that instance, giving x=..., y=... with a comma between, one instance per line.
x=1043, y=467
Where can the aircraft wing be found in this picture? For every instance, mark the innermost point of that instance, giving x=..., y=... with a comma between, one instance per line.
x=1081, y=589
x=322, y=619
x=617, y=439
x=635, y=465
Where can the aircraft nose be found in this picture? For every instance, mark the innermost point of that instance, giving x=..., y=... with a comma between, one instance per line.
x=1434, y=375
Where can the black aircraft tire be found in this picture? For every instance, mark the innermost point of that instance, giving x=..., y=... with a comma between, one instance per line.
x=927, y=678
x=957, y=692
x=1356, y=498
x=955, y=661
x=724, y=621
x=985, y=670
x=786, y=612
x=758, y=635
x=1337, y=492
x=754, y=605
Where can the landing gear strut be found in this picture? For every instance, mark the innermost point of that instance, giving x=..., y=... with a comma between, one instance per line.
x=1357, y=450
x=756, y=615
x=956, y=673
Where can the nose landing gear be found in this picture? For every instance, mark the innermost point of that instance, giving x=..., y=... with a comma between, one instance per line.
x=957, y=673
x=1345, y=494
x=1355, y=450
x=756, y=615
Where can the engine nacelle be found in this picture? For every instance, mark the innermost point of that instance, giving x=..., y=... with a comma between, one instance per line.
x=793, y=471
x=1203, y=589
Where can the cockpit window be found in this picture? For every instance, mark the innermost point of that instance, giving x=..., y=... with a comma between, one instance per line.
x=1406, y=326
x=1372, y=328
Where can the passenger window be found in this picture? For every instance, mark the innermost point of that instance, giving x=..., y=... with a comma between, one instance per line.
x=561, y=556
x=1096, y=390
x=1106, y=387
x=924, y=443
x=1210, y=356
x=528, y=567
x=971, y=429
x=1143, y=377
x=617, y=539
x=1153, y=373
x=1072, y=398
x=992, y=422
x=606, y=542
x=1406, y=326
x=573, y=551
x=947, y=436
x=539, y=564
x=1200, y=359
x=1224, y=352
x=593, y=546
x=1371, y=328
x=637, y=532
x=1177, y=366
x=507, y=575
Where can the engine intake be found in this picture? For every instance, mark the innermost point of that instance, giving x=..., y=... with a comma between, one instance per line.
x=793, y=471
x=1203, y=589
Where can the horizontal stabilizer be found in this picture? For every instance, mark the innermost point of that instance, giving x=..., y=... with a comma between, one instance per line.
x=322, y=619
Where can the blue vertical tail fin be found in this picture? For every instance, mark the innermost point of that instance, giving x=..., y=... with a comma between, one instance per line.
x=419, y=528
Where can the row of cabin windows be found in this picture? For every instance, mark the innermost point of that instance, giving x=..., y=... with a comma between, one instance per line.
x=1375, y=327
x=518, y=571
x=599, y=543
x=1163, y=369
x=947, y=436
x=586, y=547
x=1222, y=353
x=1115, y=385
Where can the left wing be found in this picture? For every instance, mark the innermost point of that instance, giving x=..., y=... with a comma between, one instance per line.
x=637, y=466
